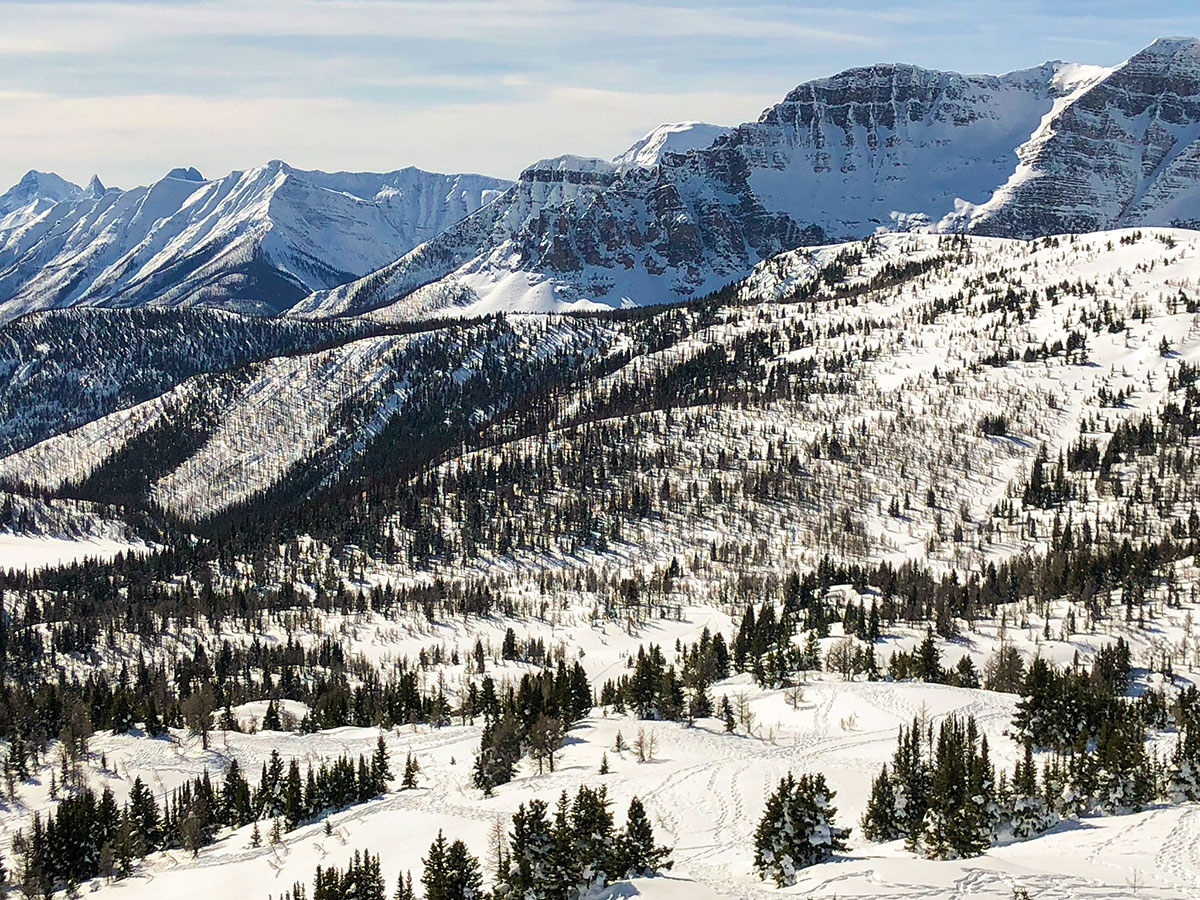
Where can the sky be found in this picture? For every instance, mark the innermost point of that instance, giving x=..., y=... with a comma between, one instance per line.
x=129, y=90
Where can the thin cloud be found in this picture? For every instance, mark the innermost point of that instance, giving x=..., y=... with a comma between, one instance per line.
x=132, y=89
x=448, y=137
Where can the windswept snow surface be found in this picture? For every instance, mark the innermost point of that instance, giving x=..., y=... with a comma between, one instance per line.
x=674, y=137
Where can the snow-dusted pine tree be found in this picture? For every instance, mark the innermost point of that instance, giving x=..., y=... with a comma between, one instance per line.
x=797, y=829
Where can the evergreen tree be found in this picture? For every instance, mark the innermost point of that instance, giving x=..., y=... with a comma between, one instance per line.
x=381, y=772
x=293, y=797
x=1027, y=811
x=796, y=829
x=271, y=721
x=727, y=715
x=639, y=854
x=880, y=821
x=531, y=844
x=411, y=768
x=593, y=842
x=451, y=872
x=1183, y=773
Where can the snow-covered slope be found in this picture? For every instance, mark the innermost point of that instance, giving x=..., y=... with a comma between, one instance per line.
x=62, y=368
x=1060, y=147
x=254, y=241
x=922, y=347
x=704, y=793
x=704, y=790
x=213, y=440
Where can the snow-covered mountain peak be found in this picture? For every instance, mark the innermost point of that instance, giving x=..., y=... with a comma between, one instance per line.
x=30, y=198
x=569, y=163
x=673, y=137
x=95, y=188
x=1069, y=77
x=35, y=185
x=1173, y=46
x=185, y=173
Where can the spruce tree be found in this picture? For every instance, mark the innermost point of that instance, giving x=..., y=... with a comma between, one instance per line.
x=380, y=770
x=880, y=821
x=565, y=868
x=411, y=768
x=293, y=797
x=1183, y=773
x=271, y=721
x=434, y=877
x=639, y=854
x=451, y=872
x=529, y=872
x=1027, y=811
x=463, y=878
x=796, y=829
x=594, y=843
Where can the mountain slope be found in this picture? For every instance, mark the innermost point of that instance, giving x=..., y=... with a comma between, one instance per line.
x=63, y=368
x=253, y=241
x=813, y=345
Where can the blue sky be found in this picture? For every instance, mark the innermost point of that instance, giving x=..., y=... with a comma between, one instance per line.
x=131, y=89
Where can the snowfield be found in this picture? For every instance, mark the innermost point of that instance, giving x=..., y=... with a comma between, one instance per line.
x=20, y=551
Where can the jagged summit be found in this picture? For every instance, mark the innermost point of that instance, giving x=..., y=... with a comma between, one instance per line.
x=1169, y=46
x=35, y=185
x=188, y=173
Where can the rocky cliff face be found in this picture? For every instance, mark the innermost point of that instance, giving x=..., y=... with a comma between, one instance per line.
x=893, y=146
x=1124, y=152
x=585, y=231
x=254, y=241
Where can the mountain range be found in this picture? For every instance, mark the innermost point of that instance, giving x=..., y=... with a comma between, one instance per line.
x=687, y=209
x=1058, y=148
x=255, y=241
